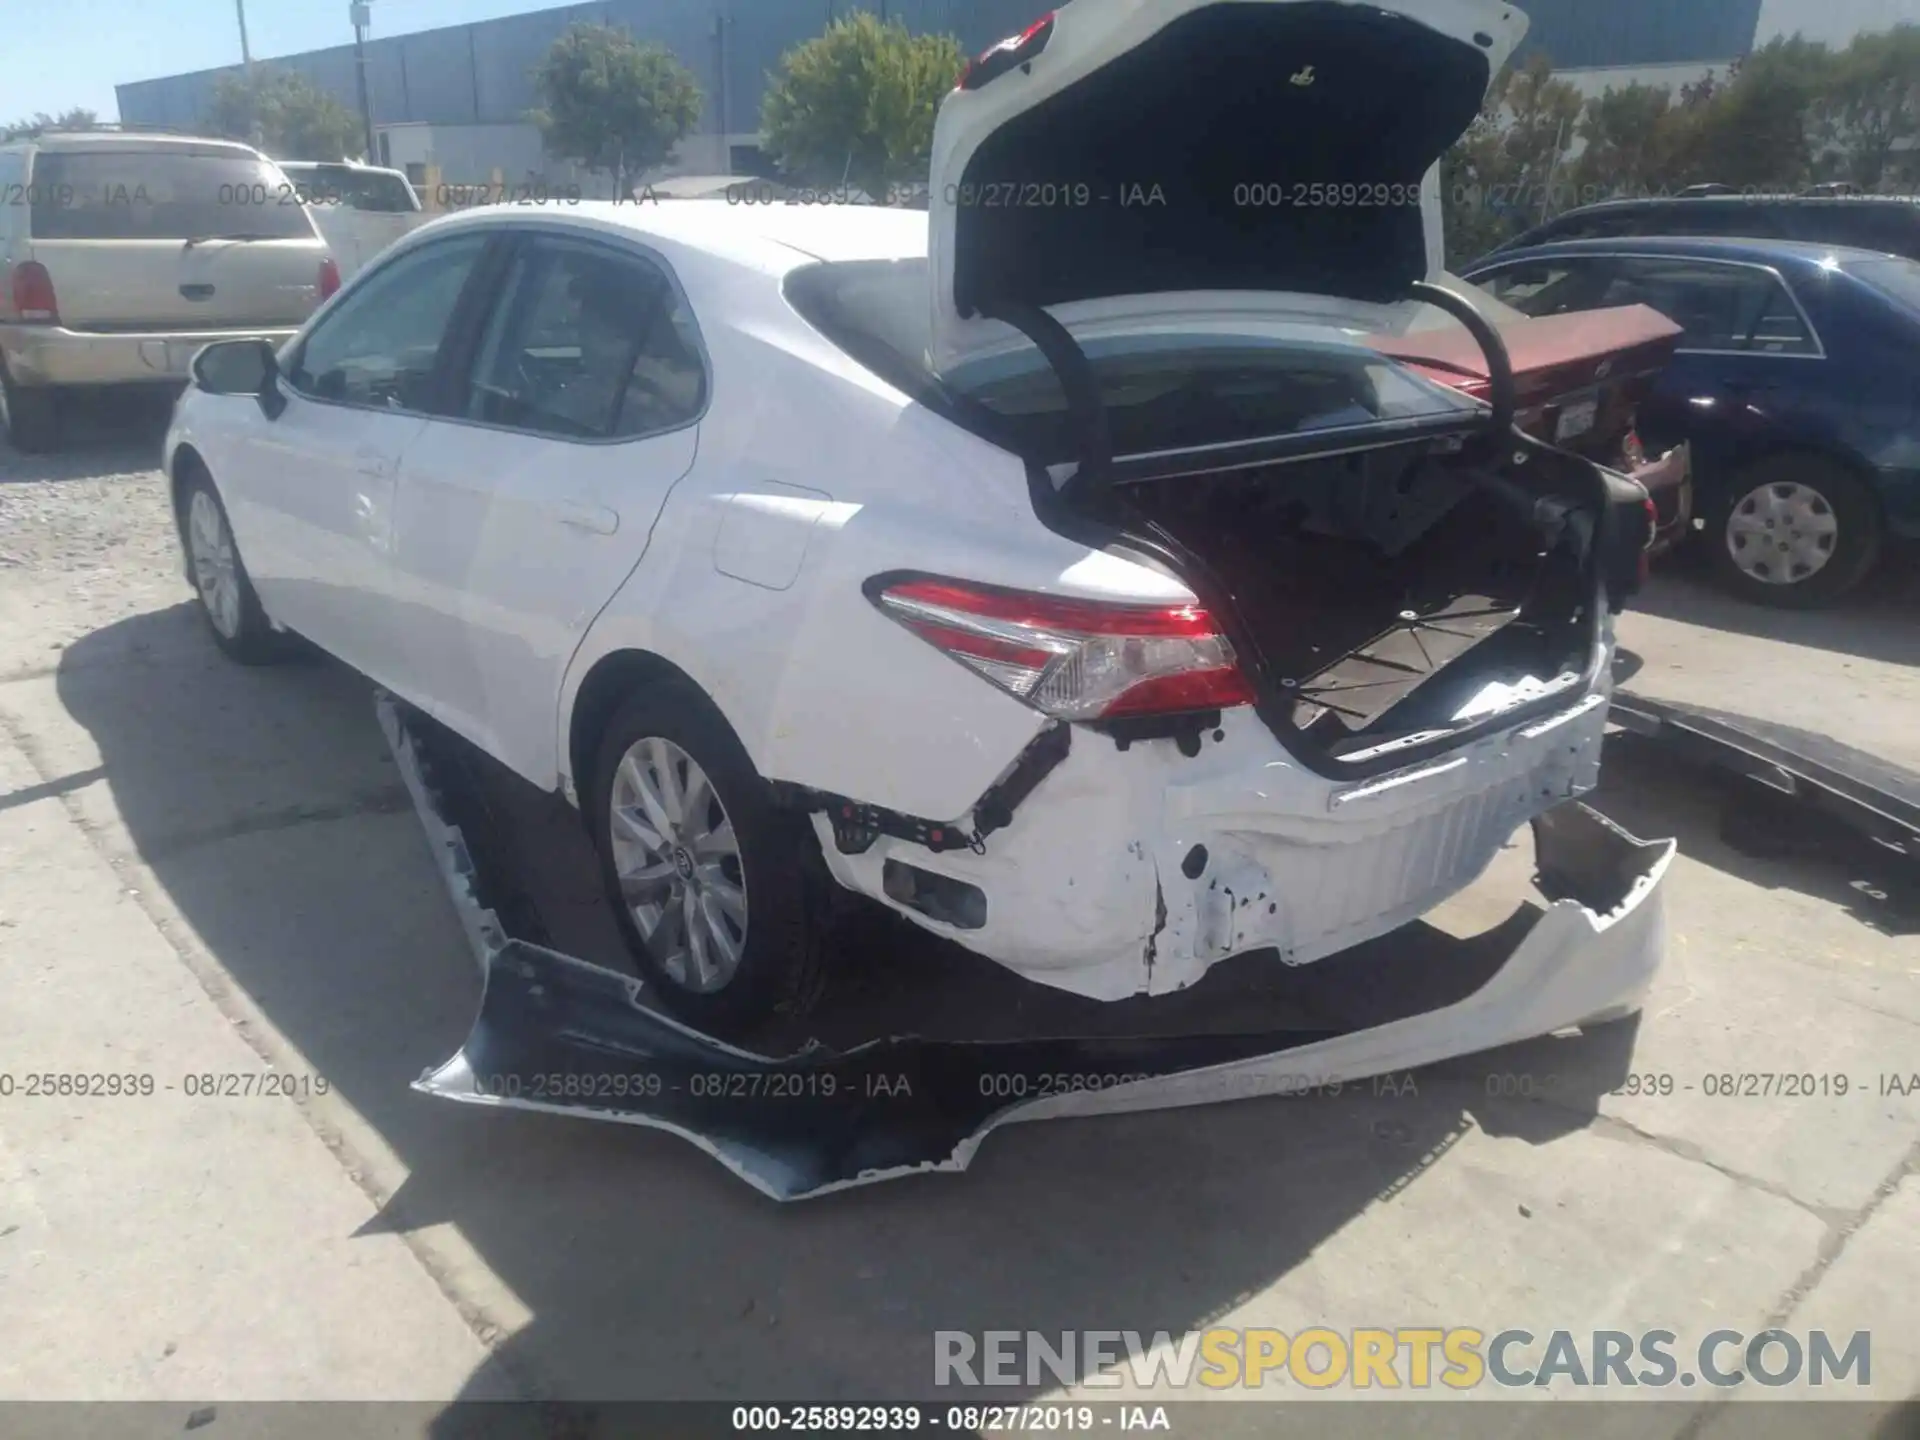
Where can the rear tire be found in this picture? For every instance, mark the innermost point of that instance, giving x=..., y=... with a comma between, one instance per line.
x=30, y=415
x=1794, y=532
x=227, y=598
x=705, y=873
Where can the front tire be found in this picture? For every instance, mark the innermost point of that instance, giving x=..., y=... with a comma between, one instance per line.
x=227, y=598
x=1794, y=532
x=704, y=871
x=30, y=415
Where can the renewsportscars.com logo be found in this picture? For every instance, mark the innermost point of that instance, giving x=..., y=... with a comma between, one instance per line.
x=1459, y=1358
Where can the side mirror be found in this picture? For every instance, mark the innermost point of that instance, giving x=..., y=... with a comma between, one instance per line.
x=241, y=367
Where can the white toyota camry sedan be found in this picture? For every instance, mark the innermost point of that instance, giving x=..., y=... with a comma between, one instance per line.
x=1055, y=565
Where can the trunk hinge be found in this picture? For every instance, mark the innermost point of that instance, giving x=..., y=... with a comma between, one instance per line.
x=1500, y=389
x=1093, y=438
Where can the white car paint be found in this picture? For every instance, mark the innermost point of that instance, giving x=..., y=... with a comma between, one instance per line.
x=482, y=574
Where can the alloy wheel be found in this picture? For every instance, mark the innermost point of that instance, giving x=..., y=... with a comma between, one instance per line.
x=678, y=864
x=1782, y=533
x=215, y=568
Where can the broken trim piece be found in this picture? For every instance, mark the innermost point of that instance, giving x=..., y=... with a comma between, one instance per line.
x=1878, y=799
x=557, y=1034
x=856, y=825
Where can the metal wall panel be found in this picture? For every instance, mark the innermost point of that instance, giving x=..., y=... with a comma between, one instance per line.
x=464, y=74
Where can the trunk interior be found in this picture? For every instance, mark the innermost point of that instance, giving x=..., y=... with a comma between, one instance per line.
x=1392, y=591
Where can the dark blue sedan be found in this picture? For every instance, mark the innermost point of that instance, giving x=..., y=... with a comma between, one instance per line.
x=1797, y=382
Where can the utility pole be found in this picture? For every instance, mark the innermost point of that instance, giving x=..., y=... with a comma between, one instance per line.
x=246, y=55
x=362, y=14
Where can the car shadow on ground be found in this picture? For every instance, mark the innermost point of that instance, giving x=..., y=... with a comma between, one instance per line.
x=101, y=433
x=1879, y=621
x=267, y=807
x=1739, y=827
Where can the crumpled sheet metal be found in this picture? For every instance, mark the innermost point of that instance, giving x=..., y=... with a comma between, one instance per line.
x=559, y=1034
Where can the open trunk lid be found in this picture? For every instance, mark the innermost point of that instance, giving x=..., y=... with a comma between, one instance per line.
x=1132, y=160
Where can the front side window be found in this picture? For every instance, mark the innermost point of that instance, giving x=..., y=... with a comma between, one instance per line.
x=1720, y=307
x=161, y=194
x=380, y=346
x=587, y=343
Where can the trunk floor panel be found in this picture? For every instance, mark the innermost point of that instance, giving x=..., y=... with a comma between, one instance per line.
x=886, y=977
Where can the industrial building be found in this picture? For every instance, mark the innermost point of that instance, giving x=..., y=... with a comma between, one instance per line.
x=457, y=98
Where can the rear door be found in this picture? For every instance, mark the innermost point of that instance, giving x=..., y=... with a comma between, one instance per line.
x=520, y=517
x=174, y=237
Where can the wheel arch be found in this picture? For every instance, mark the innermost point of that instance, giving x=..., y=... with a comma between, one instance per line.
x=612, y=678
x=184, y=464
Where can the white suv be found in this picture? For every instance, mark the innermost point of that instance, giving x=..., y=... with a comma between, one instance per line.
x=1067, y=573
x=121, y=254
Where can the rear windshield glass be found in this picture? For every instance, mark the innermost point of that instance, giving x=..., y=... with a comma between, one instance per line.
x=1165, y=391
x=370, y=190
x=161, y=195
x=1899, y=280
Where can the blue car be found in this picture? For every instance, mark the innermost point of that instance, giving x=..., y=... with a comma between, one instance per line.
x=1796, y=383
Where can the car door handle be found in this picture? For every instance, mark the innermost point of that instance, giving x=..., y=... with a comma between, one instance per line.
x=578, y=514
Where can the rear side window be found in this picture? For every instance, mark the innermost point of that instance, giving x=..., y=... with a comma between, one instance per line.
x=1713, y=217
x=1865, y=225
x=1720, y=307
x=1898, y=280
x=1602, y=225
x=161, y=195
x=588, y=344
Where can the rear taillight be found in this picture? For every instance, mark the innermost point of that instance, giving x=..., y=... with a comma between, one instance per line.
x=1012, y=51
x=329, y=278
x=33, y=298
x=1076, y=659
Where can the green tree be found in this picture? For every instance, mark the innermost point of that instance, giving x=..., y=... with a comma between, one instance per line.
x=612, y=104
x=78, y=118
x=1629, y=141
x=856, y=104
x=1509, y=170
x=285, y=114
x=1756, y=129
x=1868, y=117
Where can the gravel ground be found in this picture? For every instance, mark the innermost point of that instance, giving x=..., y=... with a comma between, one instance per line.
x=85, y=538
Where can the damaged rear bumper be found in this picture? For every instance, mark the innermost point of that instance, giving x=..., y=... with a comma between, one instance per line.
x=1135, y=872
x=558, y=1034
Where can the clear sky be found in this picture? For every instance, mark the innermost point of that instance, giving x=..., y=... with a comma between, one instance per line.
x=62, y=53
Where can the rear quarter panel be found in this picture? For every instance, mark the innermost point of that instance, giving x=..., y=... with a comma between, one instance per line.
x=838, y=477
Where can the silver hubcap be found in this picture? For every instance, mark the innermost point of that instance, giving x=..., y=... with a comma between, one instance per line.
x=678, y=865
x=1782, y=533
x=214, y=570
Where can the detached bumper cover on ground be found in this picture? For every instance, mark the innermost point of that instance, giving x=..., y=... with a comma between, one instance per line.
x=557, y=1033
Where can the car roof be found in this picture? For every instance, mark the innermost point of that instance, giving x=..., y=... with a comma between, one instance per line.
x=774, y=237
x=1701, y=247
x=135, y=140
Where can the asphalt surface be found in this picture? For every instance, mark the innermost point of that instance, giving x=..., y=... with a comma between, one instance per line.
x=211, y=871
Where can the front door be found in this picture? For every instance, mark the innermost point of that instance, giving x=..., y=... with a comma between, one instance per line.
x=521, y=517
x=311, y=493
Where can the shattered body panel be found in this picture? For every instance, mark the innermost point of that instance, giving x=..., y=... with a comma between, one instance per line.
x=1135, y=871
x=823, y=1119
